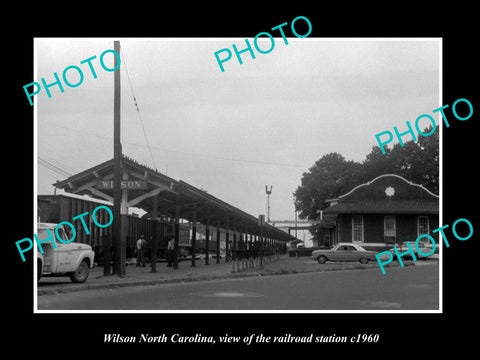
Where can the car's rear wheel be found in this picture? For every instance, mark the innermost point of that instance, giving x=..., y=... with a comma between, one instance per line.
x=363, y=261
x=81, y=274
x=322, y=259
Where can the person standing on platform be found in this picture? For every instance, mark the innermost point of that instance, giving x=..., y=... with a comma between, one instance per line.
x=141, y=247
x=170, y=251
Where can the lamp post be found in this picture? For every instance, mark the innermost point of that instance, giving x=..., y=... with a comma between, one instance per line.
x=268, y=192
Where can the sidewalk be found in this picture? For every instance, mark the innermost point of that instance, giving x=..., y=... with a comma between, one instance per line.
x=141, y=276
x=137, y=276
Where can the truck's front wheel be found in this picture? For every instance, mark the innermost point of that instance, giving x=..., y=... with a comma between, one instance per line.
x=81, y=274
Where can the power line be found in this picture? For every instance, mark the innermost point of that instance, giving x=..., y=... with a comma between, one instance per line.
x=53, y=167
x=56, y=169
x=258, y=162
x=138, y=110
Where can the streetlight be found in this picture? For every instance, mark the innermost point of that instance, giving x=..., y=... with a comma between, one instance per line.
x=268, y=192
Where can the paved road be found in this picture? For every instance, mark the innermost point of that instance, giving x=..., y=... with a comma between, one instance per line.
x=403, y=288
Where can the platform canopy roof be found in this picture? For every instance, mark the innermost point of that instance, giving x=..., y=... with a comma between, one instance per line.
x=151, y=190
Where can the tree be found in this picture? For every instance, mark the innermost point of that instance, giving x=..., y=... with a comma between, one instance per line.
x=376, y=164
x=418, y=161
x=429, y=162
x=328, y=177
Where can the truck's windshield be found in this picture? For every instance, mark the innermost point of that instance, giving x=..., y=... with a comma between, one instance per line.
x=42, y=234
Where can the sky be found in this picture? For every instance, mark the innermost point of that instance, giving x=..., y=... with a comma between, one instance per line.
x=263, y=122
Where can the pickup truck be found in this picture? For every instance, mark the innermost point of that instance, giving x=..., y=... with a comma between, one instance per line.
x=71, y=259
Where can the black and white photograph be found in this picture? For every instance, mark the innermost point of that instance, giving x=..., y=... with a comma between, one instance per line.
x=269, y=181
x=253, y=188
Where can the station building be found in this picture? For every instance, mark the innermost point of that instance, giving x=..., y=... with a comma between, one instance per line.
x=386, y=211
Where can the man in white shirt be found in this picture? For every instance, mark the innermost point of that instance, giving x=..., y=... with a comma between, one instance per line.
x=141, y=247
x=170, y=251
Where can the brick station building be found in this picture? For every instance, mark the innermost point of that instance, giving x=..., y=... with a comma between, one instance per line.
x=386, y=211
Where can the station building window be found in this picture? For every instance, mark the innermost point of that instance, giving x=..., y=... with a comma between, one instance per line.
x=389, y=229
x=357, y=228
x=423, y=225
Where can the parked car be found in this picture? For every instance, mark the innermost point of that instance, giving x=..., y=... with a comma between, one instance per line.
x=345, y=252
x=404, y=248
x=72, y=259
x=212, y=254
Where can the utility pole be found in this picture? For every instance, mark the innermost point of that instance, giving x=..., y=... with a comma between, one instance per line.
x=119, y=265
x=261, y=223
x=296, y=224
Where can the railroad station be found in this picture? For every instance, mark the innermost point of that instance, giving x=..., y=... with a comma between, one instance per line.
x=167, y=205
x=201, y=245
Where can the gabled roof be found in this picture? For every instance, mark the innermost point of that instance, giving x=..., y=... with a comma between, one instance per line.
x=390, y=177
x=388, y=193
